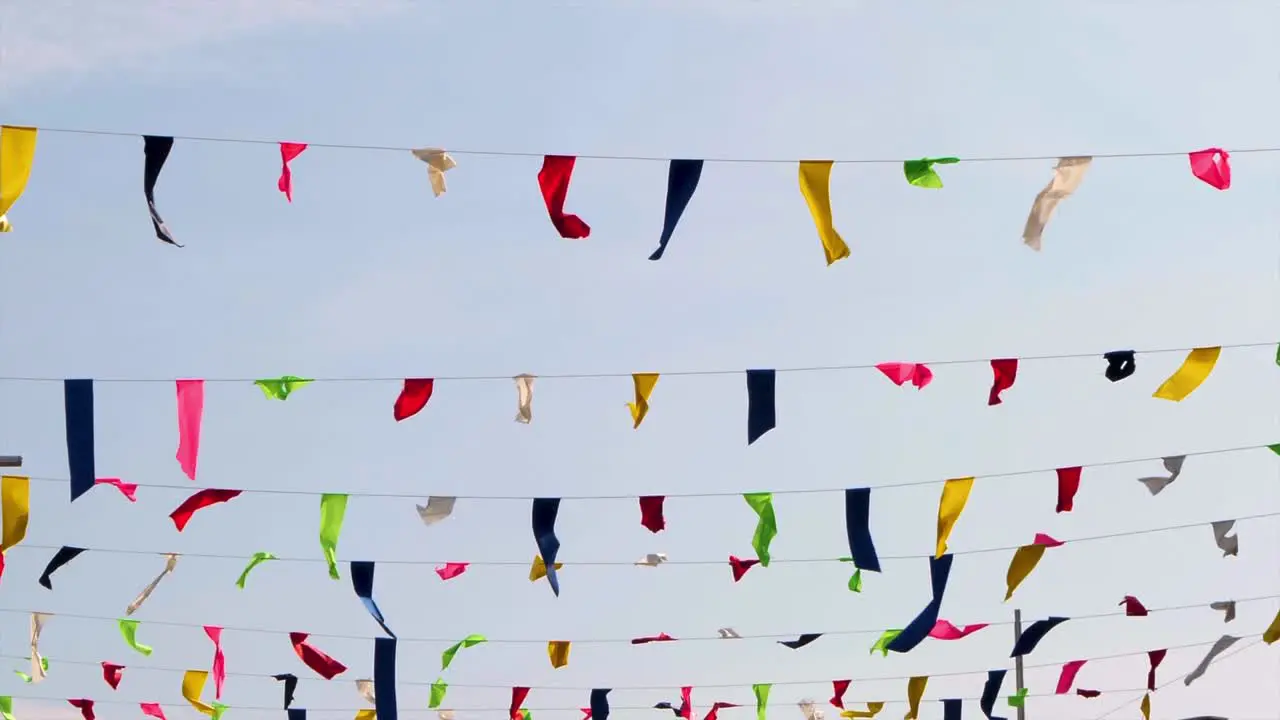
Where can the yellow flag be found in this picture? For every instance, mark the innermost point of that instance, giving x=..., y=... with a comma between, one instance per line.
x=1024, y=561
x=1272, y=632
x=955, y=493
x=815, y=185
x=1195, y=370
x=644, y=383
x=366, y=714
x=873, y=709
x=539, y=568
x=558, y=651
x=15, y=506
x=17, y=151
x=193, y=687
x=915, y=691
x=1145, y=707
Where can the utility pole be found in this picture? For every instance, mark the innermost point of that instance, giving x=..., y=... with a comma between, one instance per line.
x=1017, y=633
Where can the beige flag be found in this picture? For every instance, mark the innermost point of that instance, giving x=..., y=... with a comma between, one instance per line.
x=1067, y=177
x=524, y=391
x=438, y=162
x=365, y=688
x=1172, y=465
x=1218, y=648
x=652, y=560
x=170, y=562
x=37, y=662
x=810, y=710
x=438, y=507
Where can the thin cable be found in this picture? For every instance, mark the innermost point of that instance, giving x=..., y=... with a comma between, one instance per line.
x=1144, y=691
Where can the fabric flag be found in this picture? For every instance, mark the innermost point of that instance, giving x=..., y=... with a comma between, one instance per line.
x=1272, y=633
x=1194, y=370
x=991, y=691
x=193, y=687
x=815, y=185
x=873, y=709
x=553, y=180
x=288, y=151
x=1120, y=364
x=6, y=707
x=809, y=709
x=1087, y=693
x=290, y=684
x=882, y=643
x=644, y=384
x=414, y=397
x=324, y=666
x=857, y=528
x=727, y=633
x=1154, y=657
x=64, y=555
x=44, y=668
x=1173, y=466
x=438, y=163
x=1226, y=607
x=952, y=709
x=717, y=706
x=762, y=415
x=761, y=691
x=282, y=387
x=944, y=630
x=855, y=580
x=1004, y=372
x=384, y=678
x=1068, y=485
x=599, y=709
x=1133, y=607
x=538, y=569
x=297, y=713
x=1067, y=176
x=1212, y=165
x=651, y=560
x=766, y=526
x=84, y=706
x=739, y=566
x=1067, y=677
x=651, y=513
x=219, y=665
x=524, y=398
x=200, y=500
x=921, y=174
x=78, y=402
x=39, y=666
x=152, y=710
x=801, y=641
x=558, y=653
x=544, y=535
x=682, y=181
x=518, y=694
x=155, y=151
x=129, y=631
x=446, y=658
x=366, y=714
x=1228, y=544
x=15, y=509
x=1025, y=560
x=438, y=508
x=955, y=493
x=170, y=562
x=333, y=507
x=449, y=571
x=1145, y=707
x=1020, y=699
x=918, y=373
x=838, y=689
x=257, y=559
x=918, y=629
x=128, y=490
x=660, y=637
x=190, y=414
x=439, y=689
x=17, y=154
x=915, y=691
x=362, y=582
x=366, y=690
x=1035, y=632
x=685, y=709
x=1218, y=648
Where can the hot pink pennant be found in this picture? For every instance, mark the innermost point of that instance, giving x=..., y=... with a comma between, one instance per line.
x=944, y=630
x=518, y=694
x=449, y=571
x=660, y=637
x=288, y=151
x=1005, y=372
x=586, y=713
x=219, y=661
x=112, y=673
x=1068, y=676
x=1068, y=484
x=153, y=710
x=918, y=373
x=1047, y=541
x=85, y=706
x=190, y=413
x=1155, y=657
x=1133, y=607
x=1212, y=165
x=740, y=566
x=838, y=688
x=129, y=490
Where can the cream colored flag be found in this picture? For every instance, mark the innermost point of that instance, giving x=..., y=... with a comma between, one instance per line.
x=652, y=560
x=170, y=562
x=524, y=392
x=1067, y=177
x=728, y=633
x=438, y=162
x=438, y=507
x=810, y=710
x=37, y=662
x=365, y=688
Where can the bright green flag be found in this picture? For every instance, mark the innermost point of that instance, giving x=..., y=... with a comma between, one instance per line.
x=762, y=698
x=921, y=173
x=855, y=580
x=438, y=689
x=257, y=559
x=469, y=641
x=280, y=388
x=766, y=528
x=333, y=507
x=44, y=664
x=1274, y=448
x=6, y=707
x=1278, y=354
x=883, y=643
x=218, y=709
x=1019, y=700
x=129, y=629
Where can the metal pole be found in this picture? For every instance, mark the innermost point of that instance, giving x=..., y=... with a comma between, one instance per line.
x=1017, y=633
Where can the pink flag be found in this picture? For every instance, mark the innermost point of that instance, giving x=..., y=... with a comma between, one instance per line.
x=288, y=151
x=919, y=374
x=190, y=412
x=219, y=661
x=449, y=571
x=129, y=490
x=1068, y=676
x=944, y=630
x=1047, y=541
x=153, y=710
x=1212, y=165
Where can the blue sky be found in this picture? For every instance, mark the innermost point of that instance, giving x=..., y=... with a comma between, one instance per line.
x=366, y=275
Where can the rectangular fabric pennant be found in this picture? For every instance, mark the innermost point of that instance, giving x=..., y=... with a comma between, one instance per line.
x=955, y=494
x=438, y=163
x=15, y=509
x=155, y=152
x=682, y=181
x=815, y=185
x=766, y=525
x=1194, y=370
x=384, y=678
x=918, y=629
x=190, y=416
x=1067, y=176
x=558, y=653
x=644, y=384
x=78, y=401
x=362, y=581
x=17, y=155
x=762, y=415
x=333, y=507
x=524, y=398
x=38, y=664
x=857, y=525
x=170, y=563
x=553, y=181
x=915, y=691
x=219, y=665
x=64, y=555
x=544, y=535
x=324, y=666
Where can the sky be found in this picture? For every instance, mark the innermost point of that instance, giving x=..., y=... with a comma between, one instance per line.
x=365, y=275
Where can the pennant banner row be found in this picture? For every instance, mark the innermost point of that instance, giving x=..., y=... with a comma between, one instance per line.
x=1212, y=166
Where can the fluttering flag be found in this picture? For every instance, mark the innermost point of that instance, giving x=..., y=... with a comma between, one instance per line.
x=599, y=709
x=553, y=181
x=717, y=706
x=651, y=560
x=915, y=691
x=128, y=490
x=809, y=710
x=15, y=509
x=1067, y=677
x=333, y=507
x=766, y=525
x=1219, y=647
x=64, y=555
x=290, y=684
x=1212, y=165
x=1228, y=544
x=257, y=559
x=155, y=151
x=1173, y=466
x=129, y=631
x=921, y=174
x=366, y=714
x=39, y=665
x=6, y=704
x=296, y=713
x=190, y=414
x=918, y=629
x=762, y=415
x=439, y=689
x=193, y=687
x=838, y=689
x=44, y=668
x=651, y=513
x=918, y=373
x=685, y=709
x=384, y=678
x=1068, y=485
x=1133, y=607
x=1226, y=607
x=955, y=493
x=857, y=528
x=1194, y=370
x=1004, y=373
x=84, y=706
x=438, y=508
x=558, y=653
x=728, y=633
x=991, y=691
x=1272, y=633
x=518, y=694
x=1120, y=364
x=682, y=181
x=815, y=185
x=1019, y=699
x=17, y=154
x=152, y=710
x=282, y=387
x=446, y=658
x=544, y=535
x=1025, y=560
x=438, y=163
x=660, y=637
x=740, y=566
x=855, y=580
x=288, y=151
x=761, y=691
x=449, y=571
x=882, y=643
x=538, y=569
x=170, y=563
x=524, y=398
x=644, y=384
x=1067, y=176
x=362, y=582
x=1035, y=632
x=366, y=690
x=1154, y=658
x=77, y=398
x=873, y=709
x=200, y=500
x=414, y=397
x=219, y=664
x=324, y=666
x=801, y=641
x=944, y=630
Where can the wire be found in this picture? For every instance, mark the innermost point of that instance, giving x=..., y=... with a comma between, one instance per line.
x=1229, y=653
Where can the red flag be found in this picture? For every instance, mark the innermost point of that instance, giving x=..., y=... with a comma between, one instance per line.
x=1005, y=372
x=112, y=673
x=85, y=706
x=202, y=499
x=219, y=660
x=153, y=710
x=1155, y=657
x=838, y=687
x=288, y=151
x=325, y=666
x=714, y=713
x=660, y=637
x=553, y=180
x=129, y=490
x=449, y=571
x=1212, y=166
x=414, y=397
x=518, y=694
x=651, y=513
x=1068, y=484
x=1133, y=607
x=740, y=566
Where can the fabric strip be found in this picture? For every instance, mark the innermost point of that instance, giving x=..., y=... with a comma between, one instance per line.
x=38, y=663
x=413, y=397
x=651, y=516
x=112, y=674
x=193, y=687
x=257, y=559
x=17, y=155
x=200, y=500
x=1067, y=176
x=1120, y=364
x=155, y=151
x=682, y=181
x=64, y=555
x=1034, y=633
x=324, y=666
x=1004, y=373
x=190, y=415
x=801, y=641
x=600, y=704
x=857, y=528
x=290, y=684
x=362, y=582
x=219, y=665
x=78, y=400
x=129, y=631
x=952, y=709
x=438, y=163
x=918, y=629
x=766, y=524
x=762, y=414
x=838, y=689
x=333, y=507
x=1068, y=485
x=544, y=535
x=1218, y=648
x=524, y=398
x=991, y=691
x=815, y=185
x=1067, y=677
x=1194, y=370
x=644, y=384
x=915, y=691
x=553, y=181
x=170, y=563
x=384, y=678
x=15, y=508
x=288, y=151
x=955, y=494
x=558, y=653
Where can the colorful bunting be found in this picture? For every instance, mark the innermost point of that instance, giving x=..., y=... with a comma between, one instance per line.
x=17, y=153
x=915, y=691
x=544, y=535
x=1228, y=544
x=1194, y=370
x=1120, y=364
x=288, y=151
x=1031, y=637
x=766, y=525
x=761, y=414
x=78, y=401
x=333, y=507
x=324, y=666
x=558, y=653
x=1067, y=176
x=1212, y=165
x=815, y=185
x=838, y=689
x=1067, y=677
x=155, y=151
x=651, y=513
x=170, y=563
x=599, y=709
x=1173, y=466
x=740, y=566
x=39, y=665
x=801, y=641
x=384, y=678
x=290, y=684
x=553, y=181
x=449, y=571
x=257, y=559
x=64, y=555
x=190, y=415
x=1005, y=373
x=1068, y=485
x=524, y=398
x=200, y=500
x=129, y=490
x=414, y=397
x=446, y=658
x=918, y=373
x=437, y=508
x=1145, y=707
x=1272, y=633
x=1154, y=658
x=362, y=582
x=682, y=181
x=921, y=174
x=1219, y=647
x=15, y=509
x=129, y=631
x=282, y=387
x=219, y=665
x=1025, y=560
x=1133, y=607
x=918, y=629
x=84, y=706
x=644, y=384
x=761, y=691
x=944, y=630
x=955, y=493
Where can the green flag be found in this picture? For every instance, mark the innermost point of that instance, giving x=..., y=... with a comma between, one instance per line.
x=129, y=629
x=6, y=707
x=921, y=173
x=766, y=528
x=438, y=689
x=280, y=388
x=469, y=641
x=1019, y=700
x=332, y=508
x=257, y=559
x=883, y=643
x=44, y=665
x=762, y=698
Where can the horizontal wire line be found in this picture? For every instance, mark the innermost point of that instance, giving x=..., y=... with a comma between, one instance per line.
x=1230, y=653
x=676, y=373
